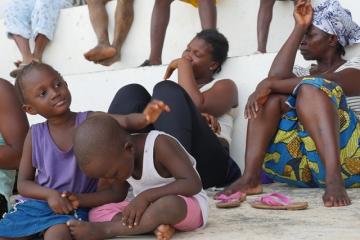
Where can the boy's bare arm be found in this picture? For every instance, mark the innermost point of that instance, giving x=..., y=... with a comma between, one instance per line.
x=175, y=163
x=108, y=191
x=171, y=161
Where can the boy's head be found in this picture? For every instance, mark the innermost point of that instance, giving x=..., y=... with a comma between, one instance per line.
x=42, y=90
x=103, y=149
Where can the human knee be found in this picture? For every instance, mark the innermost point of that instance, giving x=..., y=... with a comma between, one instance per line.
x=307, y=90
x=58, y=232
x=167, y=87
x=306, y=95
x=275, y=101
x=132, y=90
x=171, y=203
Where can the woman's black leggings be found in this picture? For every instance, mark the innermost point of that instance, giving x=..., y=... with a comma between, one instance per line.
x=185, y=123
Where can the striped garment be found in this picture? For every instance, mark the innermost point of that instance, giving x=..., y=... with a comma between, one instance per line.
x=353, y=102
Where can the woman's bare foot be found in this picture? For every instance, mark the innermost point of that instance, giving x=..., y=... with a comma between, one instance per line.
x=335, y=196
x=164, y=232
x=250, y=187
x=110, y=61
x=100, y=53
x=84, y=230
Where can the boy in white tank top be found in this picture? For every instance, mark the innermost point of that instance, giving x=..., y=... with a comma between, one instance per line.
x=167, y=188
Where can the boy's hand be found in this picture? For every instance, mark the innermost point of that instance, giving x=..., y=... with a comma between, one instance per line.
x=133, y=212
x=154, y=109
x=212, y=122
x=72, y=197
x=59, y=204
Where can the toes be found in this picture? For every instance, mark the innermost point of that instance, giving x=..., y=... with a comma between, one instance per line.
x=73, y=223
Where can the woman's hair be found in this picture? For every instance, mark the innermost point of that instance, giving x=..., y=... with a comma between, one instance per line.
x=25, y=71
x=340, y=49
x=219, y=43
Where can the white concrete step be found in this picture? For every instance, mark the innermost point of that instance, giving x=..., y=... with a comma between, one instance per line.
x=95, y=90
x=236, y=19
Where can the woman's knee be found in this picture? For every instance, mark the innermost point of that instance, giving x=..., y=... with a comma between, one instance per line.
x=276, y=102
x=132, y=91
x=306, y=93
x=168, y=88
x=128, y=99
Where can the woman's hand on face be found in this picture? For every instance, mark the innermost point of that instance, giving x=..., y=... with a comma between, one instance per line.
x=171, y=68
x=303, y=13
x=175, y=64
x=257, y=99
x=212, y=122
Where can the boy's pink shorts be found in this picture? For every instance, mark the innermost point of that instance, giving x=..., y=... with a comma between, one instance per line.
x=192, y=221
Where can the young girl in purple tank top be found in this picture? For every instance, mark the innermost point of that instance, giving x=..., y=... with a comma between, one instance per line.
x=53, y=188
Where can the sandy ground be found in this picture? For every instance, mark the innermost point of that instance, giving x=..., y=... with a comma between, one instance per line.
x=245, y=222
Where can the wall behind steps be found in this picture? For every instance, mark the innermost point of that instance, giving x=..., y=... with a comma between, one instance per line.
x=236, y=19
x=94, y=91
x=93, y=86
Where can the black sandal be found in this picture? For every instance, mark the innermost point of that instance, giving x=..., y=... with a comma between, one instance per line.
x=146, y=63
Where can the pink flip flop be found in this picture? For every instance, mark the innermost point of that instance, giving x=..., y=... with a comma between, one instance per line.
x=278, y=201
x=230, y=201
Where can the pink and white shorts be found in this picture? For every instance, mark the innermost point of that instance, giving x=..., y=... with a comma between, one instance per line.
x=192, y=221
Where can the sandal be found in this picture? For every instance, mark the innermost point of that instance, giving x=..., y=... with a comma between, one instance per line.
x=230, y=201
x=147, y=63
x=278, y=201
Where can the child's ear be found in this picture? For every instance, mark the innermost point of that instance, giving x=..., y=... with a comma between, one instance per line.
x=129, y=147
x=28, y=109
x=333, y=41
x=214, y=66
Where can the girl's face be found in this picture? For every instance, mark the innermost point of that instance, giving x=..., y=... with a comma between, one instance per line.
x=198, y=52
x=46, y=93
x=314, y=44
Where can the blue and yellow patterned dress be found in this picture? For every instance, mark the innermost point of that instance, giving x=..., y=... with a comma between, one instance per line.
x=292, y=157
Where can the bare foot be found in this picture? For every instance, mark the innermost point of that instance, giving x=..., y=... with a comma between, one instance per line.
x=250, y=187
x=100, y=53
x=164, y=232
x=335, y=196
x=110, y=61
x=84, y=230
